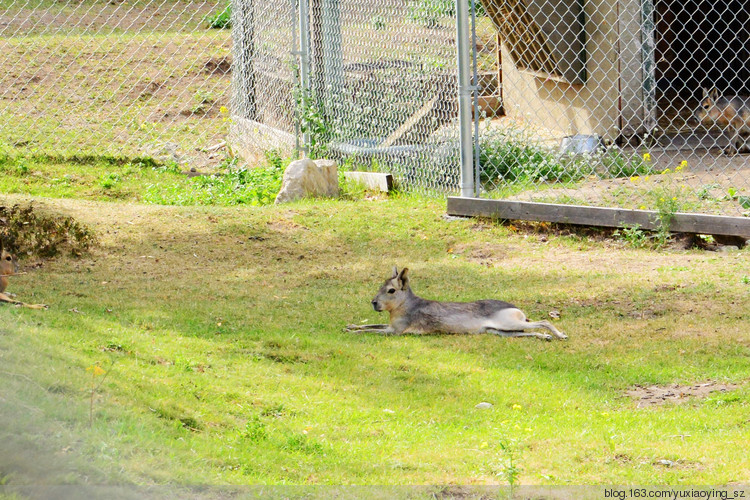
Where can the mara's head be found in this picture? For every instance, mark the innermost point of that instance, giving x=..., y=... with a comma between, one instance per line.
x=8, y=262
x=708, y=112
x=8, y=267
x=394, y=291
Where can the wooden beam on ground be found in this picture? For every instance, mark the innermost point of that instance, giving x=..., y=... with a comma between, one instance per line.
x=372, y=180
x=597, y=216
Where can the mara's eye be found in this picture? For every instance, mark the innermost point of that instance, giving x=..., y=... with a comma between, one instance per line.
x=391, y=290
x=8, y=259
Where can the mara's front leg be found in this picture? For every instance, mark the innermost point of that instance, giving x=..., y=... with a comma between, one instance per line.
x=381, y=329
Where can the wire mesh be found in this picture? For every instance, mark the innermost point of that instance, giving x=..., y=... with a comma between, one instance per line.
x=130, y=78
x=380, y=91
x=616, y=103
x=639, y=104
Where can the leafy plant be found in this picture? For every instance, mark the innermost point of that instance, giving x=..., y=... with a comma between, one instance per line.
x=221, y=20
x=634, y=236
x=510, y=470
x=744, y=201
x=617, y=164
x=313, y=123
x=202, y=102
x=239, y=185
x=704, y=192
x=255, y=430
x=667, y=205
x=430, y=12
x=109, y=180
x=513, y=155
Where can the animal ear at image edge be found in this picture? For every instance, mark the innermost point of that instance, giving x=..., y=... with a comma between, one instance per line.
x=403, y=280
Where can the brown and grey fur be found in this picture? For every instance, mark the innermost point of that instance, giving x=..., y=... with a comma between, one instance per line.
x=412, y=314
x=730, y=113
x=8, y=267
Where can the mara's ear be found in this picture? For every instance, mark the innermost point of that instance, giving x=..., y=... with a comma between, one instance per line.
x=403, y=280
x=395, y=272
x=714, y=94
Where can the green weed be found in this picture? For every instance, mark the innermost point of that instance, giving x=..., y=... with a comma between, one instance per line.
x=512, y=155
x=109, y=180
x=667, y=204
x=221, y=20
x=634, y=236
x=515, y=156
x=238, y=185
x=618, y=164
x=510, y=470
x=255, y=430
x=313, y=123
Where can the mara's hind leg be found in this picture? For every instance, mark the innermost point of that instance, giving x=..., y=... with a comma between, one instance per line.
x=548, y=326
x=515, y=320
x=509, y=333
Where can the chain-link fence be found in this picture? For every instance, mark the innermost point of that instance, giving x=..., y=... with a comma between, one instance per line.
x=599, y=103
x=617, y=103
x=628, y=103
x=123, y=78
x=370, y=82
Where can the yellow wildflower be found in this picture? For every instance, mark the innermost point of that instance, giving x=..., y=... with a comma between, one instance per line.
x=517, y=407
x=96, y=369
x=646, y=156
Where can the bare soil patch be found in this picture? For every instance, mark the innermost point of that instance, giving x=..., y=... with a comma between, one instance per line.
x=485, y=254
x=218, y=66
x=657, y=395
x=108, y=16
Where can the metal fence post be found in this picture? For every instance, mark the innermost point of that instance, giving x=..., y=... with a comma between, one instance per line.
x=464, y=98
x=648, y=48
x=243, y=49
x=304, y=66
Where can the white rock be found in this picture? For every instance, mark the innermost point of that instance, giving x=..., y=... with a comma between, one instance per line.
x=484, y=405
x=303, y=178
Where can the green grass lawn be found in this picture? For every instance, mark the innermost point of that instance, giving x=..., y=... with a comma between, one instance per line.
x=219, y=332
